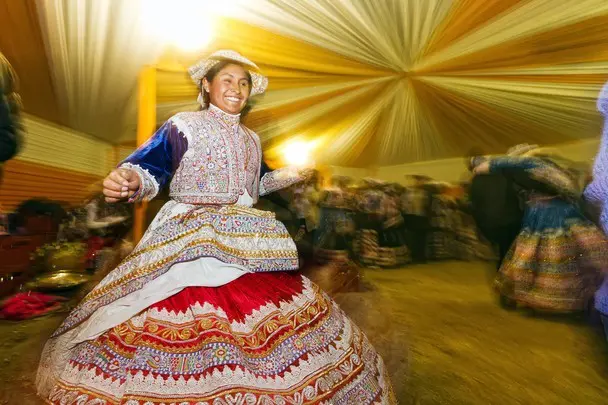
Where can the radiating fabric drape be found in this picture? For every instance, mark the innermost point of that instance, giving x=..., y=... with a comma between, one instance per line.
x=389, y=82
x=378, y=83
x=96, y=50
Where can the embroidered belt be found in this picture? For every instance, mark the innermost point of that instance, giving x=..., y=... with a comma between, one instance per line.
x=231, y=209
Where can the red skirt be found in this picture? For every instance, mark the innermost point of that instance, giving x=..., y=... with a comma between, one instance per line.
x=265, y=338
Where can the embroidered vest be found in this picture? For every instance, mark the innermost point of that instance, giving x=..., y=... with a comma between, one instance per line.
x=223, y=159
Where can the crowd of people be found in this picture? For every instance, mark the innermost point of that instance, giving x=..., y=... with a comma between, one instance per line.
x=379, y=224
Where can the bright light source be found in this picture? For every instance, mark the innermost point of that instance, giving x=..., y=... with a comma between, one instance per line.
x=298, y=152
x=187, y=24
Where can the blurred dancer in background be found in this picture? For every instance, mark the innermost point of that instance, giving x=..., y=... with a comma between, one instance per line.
x=557, y=261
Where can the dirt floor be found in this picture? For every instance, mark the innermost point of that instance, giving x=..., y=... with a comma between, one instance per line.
x=441, y=333
x=465, y=349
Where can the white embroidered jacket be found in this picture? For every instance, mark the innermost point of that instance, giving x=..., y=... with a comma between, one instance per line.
x=209, y=157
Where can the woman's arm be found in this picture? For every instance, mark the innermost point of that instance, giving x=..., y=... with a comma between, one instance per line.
x=154, y=162
x=537, y=169
x=279, y=179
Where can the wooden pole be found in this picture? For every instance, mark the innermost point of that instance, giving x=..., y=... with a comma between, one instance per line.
x=146, y=125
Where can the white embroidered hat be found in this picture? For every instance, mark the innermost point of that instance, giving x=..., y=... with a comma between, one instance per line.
x=259, y=83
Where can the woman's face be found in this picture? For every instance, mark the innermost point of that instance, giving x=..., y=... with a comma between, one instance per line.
x=229, y=89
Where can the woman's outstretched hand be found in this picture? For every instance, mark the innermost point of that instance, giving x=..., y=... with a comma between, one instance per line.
x=120, y=185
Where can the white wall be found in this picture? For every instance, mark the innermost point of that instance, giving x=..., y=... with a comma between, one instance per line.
x=354, y=172
x=454, y=170
x=49, y=144
x=450, y=170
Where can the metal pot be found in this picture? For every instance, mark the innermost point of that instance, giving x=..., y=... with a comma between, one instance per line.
x=65, y=259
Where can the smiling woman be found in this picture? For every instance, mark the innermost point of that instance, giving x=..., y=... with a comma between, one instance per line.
x=227, y=85
x=208, y=308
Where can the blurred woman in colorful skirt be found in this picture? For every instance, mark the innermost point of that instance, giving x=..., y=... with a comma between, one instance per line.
x=558, y=259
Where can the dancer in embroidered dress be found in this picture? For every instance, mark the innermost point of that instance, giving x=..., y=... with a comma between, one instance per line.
x=206, y=309
x=596, y=195
x=558, y=259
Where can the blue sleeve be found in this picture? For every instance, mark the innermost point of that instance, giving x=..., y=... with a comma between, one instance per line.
x=156, y=160
x=557, y=179
x=264, y=168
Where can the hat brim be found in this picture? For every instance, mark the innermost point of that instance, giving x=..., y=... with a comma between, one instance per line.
x=259, y=82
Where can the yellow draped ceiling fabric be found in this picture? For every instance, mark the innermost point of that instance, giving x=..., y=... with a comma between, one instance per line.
x=78, y=61
x=386, y=82
x=377, y=83
x=96, y=49
x=22, y=44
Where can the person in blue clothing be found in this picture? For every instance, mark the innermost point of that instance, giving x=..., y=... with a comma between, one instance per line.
x=596, y=196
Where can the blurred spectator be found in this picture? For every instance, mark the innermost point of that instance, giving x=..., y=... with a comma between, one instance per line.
x=10, y=106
